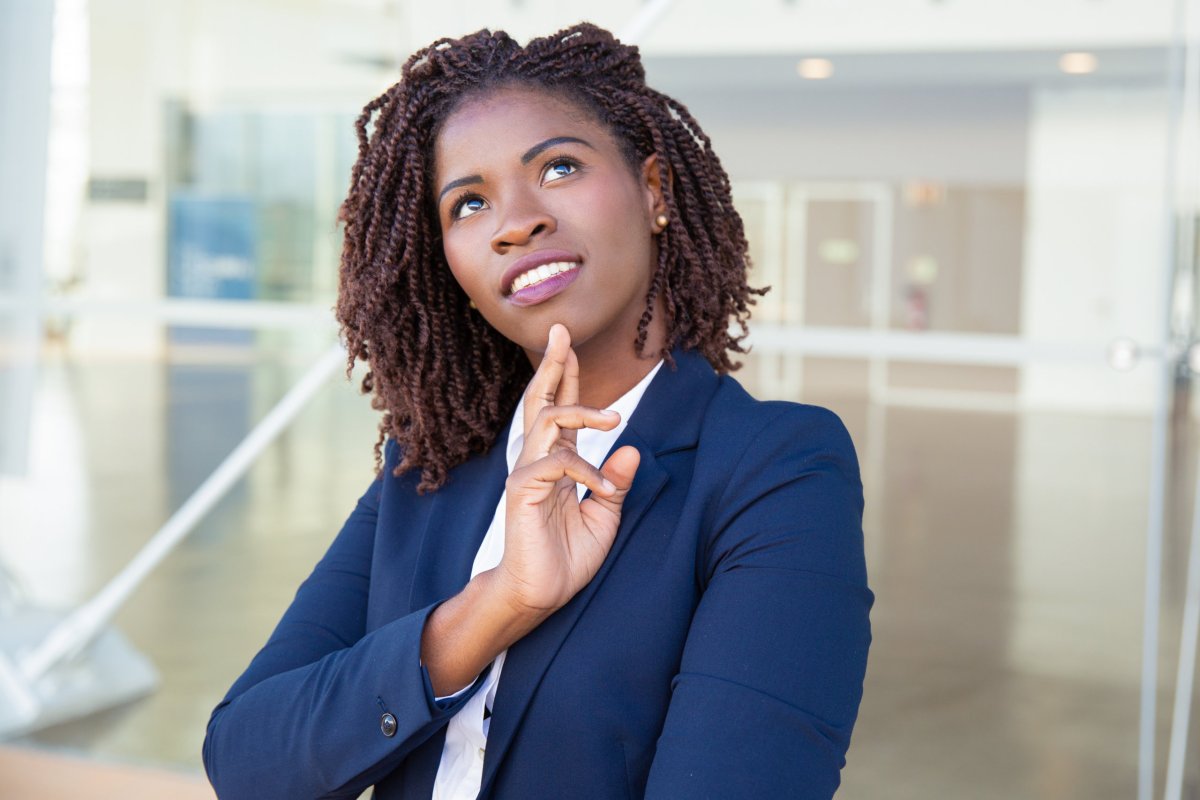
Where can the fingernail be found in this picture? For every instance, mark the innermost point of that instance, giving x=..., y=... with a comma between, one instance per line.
x=608, y=412
x=608, y=485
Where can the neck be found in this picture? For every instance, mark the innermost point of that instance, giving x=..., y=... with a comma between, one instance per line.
x=610, y=368
x=600, y=385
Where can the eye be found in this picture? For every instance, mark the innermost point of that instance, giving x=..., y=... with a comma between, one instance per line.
x=559, y=168
x=466, y=206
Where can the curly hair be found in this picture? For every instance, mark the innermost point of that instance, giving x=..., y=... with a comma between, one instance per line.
x=443, y=378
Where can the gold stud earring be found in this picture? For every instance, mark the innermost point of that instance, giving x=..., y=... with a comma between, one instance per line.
x=471, y=303
x=661, y=221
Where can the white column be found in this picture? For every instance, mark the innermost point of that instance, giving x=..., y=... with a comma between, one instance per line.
x=1094, y=244
x=122, y=242
x=25, y=34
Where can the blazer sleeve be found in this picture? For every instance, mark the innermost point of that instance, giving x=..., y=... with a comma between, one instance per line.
x=307, y=718
x=771, y=675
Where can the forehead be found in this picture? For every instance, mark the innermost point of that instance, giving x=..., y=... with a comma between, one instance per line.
x=504, y=123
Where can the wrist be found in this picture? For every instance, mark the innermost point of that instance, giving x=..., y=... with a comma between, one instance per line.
x=469, y=630
x=504, y=606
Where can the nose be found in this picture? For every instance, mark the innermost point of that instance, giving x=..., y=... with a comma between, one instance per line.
x=523, y=221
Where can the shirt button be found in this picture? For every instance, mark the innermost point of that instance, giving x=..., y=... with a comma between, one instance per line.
x=481, y=754
x=387, y=724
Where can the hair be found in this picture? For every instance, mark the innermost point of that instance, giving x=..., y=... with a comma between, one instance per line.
x=445, y=380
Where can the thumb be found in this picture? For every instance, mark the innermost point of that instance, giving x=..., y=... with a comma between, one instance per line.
x=620, y=469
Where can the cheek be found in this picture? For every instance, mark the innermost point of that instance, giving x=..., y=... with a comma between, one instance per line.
x=617, y=212
x=637, y=243
x=459, y=267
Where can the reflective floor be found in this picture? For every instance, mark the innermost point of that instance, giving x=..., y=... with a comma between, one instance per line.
x=1006, y=551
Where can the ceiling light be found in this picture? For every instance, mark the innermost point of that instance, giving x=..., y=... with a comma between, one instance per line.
x=814, y=69
x=1077, y=63
x=924, y=193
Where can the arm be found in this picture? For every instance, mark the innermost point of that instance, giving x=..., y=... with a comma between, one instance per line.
x=771, y=675
x=304, y=720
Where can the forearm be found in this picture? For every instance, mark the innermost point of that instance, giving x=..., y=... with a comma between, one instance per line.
x=466, y=633
x=316, y=730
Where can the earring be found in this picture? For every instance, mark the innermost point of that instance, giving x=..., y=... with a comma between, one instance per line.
x=471, y=303
x=661, y=221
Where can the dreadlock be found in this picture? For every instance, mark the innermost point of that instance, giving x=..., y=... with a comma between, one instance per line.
x=443, y=378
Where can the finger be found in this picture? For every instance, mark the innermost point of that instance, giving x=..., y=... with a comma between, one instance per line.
x=568, y=386
x=534, y=482
x=568, y=389
x=544, y=384
x=619, y=470
x=555, y=426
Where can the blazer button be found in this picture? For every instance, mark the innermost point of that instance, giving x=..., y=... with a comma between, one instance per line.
x=387, y=724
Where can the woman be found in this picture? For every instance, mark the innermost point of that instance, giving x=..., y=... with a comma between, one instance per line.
x=541, y=265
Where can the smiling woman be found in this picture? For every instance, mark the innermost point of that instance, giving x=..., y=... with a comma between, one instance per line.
x=590, y=564
x=554, y=225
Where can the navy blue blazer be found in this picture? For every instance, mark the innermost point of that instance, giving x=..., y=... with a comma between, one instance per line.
x=719, y=651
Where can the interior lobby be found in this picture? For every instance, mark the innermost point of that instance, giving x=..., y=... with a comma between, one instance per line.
x=978, y=223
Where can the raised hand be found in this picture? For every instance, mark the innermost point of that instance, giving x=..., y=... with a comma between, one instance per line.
x=554, y=544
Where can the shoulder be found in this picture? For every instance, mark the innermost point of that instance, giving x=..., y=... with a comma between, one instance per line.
x=390, y=484
x=780, y=478
x=737, y=422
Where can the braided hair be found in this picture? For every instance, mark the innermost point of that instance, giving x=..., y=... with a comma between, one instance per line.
x=444, y=380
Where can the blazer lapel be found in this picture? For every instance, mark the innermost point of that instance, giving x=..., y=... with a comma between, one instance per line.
x=458, y=519
x=667, y=418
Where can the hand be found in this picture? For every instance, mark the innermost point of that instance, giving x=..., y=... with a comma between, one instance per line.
x=553, y=543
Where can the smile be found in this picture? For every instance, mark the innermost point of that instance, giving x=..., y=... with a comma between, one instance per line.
x=537, y=275
x=542, y=283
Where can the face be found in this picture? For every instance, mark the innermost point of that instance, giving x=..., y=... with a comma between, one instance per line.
x=543, y=220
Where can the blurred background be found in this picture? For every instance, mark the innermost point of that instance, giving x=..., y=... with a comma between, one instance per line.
x=978, y=220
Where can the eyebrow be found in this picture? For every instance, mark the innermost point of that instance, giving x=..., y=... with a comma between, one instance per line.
x=532, y=152
x=454, y=184
x=526, y=157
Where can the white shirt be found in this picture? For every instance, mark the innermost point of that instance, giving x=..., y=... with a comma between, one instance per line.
x=460, y=773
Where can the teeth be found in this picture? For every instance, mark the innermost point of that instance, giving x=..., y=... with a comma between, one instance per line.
x=539, y=274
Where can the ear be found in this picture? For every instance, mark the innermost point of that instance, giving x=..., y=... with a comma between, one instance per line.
x=653, y=188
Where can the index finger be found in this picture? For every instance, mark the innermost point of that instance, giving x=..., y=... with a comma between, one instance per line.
x=568, y=385
x=568, y=391
x=543, y=387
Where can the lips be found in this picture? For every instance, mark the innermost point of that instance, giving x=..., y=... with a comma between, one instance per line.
x=539, y=276
x=543, y=290
x=542, y=273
